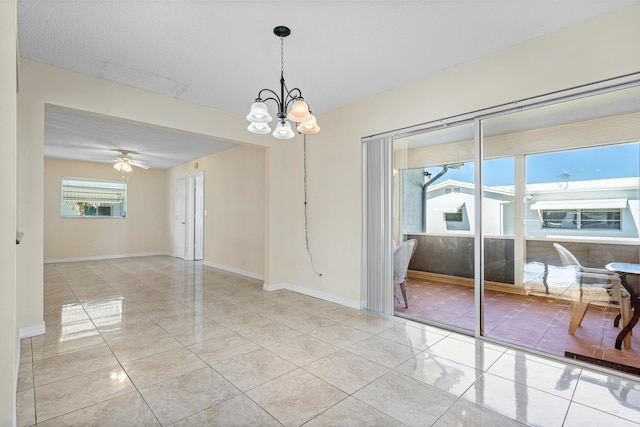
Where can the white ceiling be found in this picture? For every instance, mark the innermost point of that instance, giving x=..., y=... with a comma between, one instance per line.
x=79, y=135
x=220, y=53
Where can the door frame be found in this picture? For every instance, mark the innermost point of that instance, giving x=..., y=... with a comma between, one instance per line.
x=179, y=248
x=195, y=213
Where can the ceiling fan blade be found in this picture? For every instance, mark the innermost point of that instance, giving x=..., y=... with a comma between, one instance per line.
x=140, y=164
x=102, y=159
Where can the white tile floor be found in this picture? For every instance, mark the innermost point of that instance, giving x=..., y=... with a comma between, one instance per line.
x=158, y=341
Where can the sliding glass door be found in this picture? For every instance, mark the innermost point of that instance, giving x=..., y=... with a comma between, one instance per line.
x=500, y=250
x=574, y=202
x=434, y=197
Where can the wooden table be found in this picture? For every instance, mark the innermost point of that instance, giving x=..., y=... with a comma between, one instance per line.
x=623, y=269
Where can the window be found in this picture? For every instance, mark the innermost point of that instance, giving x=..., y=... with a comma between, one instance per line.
x=93, y=198
x=559, y=219
x=453, y=216
x=600, y=220
x=582, y=219
x=456, y=219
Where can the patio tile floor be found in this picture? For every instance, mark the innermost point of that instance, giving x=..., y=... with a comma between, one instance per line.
x=535, y=322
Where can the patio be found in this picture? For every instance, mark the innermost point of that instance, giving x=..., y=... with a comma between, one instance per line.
x=532, y=321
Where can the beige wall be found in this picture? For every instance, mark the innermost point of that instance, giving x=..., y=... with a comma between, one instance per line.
x=8, y=183
x=597, y=50
x=142, y=231
x=41, y=85
x=234, y=199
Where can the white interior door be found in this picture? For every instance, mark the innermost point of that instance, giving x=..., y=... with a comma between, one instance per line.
x=195, y=218
x=198, y=217
x=179, y=242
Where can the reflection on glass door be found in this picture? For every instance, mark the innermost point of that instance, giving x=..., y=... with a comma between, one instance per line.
x=433, y=209
x=568, y=176
x=560, y=199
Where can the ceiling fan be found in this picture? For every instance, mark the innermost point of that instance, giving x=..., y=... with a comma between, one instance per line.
x=123, y=162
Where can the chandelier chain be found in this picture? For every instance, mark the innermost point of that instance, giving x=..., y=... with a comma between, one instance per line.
x=281, y=57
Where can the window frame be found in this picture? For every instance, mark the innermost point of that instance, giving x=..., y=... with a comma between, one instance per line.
x=97, y=192
x=578, y=221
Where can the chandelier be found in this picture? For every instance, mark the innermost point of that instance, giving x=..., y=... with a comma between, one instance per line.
x=298, y=114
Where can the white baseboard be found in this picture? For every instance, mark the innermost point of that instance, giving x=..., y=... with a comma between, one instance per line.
x=31, y=331
x=313, y=293
x=234, y=270
x=268, y=287
x=100, y=257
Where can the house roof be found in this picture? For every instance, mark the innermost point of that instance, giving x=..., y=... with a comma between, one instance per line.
x=588, y=185
x=632, y=183
x=595, y=204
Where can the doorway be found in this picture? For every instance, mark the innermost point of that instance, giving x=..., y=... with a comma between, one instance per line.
x=189, y=218
x=179, y=242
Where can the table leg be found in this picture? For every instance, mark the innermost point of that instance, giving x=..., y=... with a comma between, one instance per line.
x=635, y=303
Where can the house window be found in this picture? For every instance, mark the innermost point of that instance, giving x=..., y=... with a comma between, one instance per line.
x=453, y=216
x=582, y=219
x=93, y=198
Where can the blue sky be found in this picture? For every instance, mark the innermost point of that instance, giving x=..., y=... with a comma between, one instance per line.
x=616, y=161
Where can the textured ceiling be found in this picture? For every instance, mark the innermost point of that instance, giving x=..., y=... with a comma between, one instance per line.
x=220, y=53
x=78, y=135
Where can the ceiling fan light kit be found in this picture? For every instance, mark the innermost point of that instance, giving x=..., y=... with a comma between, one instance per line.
x=290, y=103
x=123, y=163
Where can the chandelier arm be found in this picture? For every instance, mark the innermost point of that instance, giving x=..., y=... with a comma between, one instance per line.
x=291, y=94
x=290, y=100
x=276, y=100
x=275, y=96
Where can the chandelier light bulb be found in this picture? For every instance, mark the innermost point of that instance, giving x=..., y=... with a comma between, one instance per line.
x=259, y=113
x=299, y=112
x=309, y=126
x=259, y=128
x=283, y=130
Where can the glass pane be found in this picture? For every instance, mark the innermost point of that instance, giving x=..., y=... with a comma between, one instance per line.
x=498, y=223
x=573, y=203
x=559, y=219
x=601, y=220
x=434, y=199
x=93, y=198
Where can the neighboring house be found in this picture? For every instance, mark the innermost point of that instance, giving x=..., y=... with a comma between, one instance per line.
x=450, y=208
x=596, y=209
